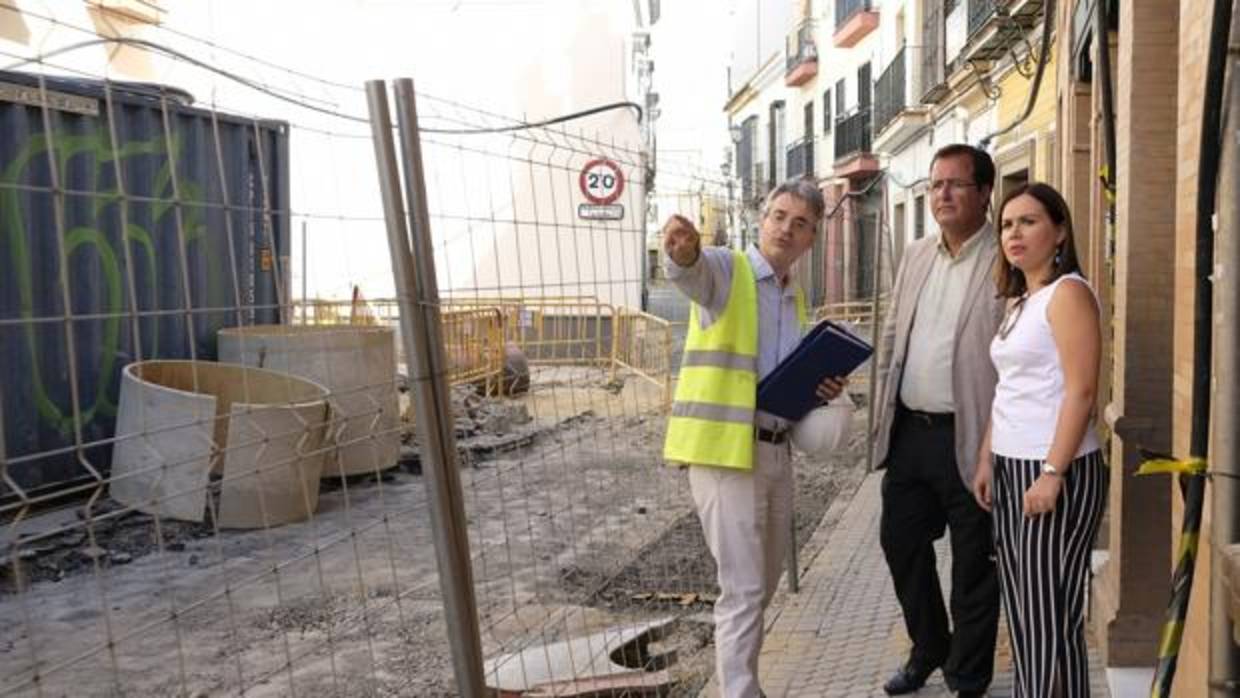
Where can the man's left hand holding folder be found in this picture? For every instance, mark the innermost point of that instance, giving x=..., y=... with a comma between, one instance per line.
x=830, y=388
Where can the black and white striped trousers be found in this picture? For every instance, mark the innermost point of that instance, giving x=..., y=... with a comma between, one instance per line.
x=1044, y=570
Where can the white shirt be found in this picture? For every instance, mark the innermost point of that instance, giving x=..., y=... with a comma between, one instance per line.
x=1030, y=390
x=927, y=381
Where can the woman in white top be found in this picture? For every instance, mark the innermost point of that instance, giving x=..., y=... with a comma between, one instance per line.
x=1040, y=466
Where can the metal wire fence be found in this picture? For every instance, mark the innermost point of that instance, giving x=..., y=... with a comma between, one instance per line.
x=212, y=487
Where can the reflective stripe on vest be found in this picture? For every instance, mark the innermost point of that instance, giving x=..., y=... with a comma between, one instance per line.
x=719, y=359
x=714, y=413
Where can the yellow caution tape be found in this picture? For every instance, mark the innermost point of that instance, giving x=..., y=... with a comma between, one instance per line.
x=1183, y=466
x=1169, y=644
x=1188, y=545
x=1108, y=190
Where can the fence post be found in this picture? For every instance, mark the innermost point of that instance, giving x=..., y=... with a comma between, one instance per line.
x=876, y=332
x=418, y=297
x=619, y=323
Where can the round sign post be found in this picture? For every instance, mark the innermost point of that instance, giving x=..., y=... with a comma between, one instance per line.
x=601, y=181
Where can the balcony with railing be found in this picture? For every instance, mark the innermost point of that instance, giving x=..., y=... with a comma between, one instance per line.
x=977, y=31
x=897, y=110
x=801, y=62
x=980, y=11
x=853, y=20
x=853, y=156
x=801, y=158
x=933, y=83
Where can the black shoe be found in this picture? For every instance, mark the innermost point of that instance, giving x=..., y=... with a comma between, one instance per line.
x=980, y=693
x=907, y=679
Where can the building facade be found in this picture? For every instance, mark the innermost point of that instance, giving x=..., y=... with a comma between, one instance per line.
x=805, y=110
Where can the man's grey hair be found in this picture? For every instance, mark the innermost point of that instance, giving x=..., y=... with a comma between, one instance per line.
x=803, y=189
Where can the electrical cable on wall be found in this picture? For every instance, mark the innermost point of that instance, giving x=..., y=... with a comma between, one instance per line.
x=301, y=102
x=1048, y=14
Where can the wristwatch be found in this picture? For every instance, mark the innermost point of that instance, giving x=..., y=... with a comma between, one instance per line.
x=1049, y=469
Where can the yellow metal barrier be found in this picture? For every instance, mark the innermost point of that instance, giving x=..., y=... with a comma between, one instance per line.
x=474, y=346
x=473, y=338
x=642, y=344
x=550, y=331
x=858, y=313
x=567, y=330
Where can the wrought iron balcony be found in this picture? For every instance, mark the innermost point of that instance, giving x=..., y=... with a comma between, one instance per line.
x=845, y=9
x=933, y=62
x=854, y=19
x=890, y=92
x=801, y=54
x=801, y=158
x=852, y=134
x=899, y=111
x=979, y=12
x=973, y=31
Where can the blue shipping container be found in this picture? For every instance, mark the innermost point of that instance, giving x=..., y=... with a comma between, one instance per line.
x=173, y=223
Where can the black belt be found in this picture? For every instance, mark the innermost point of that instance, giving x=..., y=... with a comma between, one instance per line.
x=772, y=437
x=930, y=419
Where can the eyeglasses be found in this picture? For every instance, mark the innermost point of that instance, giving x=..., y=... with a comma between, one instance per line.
x=938, y=185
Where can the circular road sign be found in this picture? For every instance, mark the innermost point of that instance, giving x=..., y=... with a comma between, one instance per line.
x=601, y=181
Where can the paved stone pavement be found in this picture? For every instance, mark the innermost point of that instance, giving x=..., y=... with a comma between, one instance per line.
x=842, y=635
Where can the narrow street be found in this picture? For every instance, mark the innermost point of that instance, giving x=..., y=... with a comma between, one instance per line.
x=329, y=364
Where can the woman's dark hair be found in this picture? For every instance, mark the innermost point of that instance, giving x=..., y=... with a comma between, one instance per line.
x=1010, y=280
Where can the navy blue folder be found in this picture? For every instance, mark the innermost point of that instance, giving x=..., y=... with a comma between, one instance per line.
x=828, y=350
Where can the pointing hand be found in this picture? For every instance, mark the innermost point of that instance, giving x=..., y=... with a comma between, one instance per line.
x=681, y=240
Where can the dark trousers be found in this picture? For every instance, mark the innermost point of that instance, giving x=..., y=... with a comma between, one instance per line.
x=922, y=496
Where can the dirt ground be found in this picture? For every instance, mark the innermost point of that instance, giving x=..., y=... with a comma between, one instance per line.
x=574, y=526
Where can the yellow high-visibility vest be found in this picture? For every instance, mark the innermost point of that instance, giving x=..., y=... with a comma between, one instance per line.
x=712, y=420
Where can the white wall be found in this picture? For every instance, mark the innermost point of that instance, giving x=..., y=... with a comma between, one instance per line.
x=758, y=31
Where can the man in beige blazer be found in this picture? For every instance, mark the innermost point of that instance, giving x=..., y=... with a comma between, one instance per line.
x=937, y=383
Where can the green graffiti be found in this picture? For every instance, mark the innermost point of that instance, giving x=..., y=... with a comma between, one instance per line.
x=83, y=239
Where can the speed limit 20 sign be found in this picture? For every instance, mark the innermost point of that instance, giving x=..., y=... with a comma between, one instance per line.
x=601, y=181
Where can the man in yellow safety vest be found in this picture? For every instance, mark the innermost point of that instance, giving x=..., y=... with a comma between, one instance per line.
x=747, y=315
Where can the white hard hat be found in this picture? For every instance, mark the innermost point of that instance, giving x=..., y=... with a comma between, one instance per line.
x=824, y=429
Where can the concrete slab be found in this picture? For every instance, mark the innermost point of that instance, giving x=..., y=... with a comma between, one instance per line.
x=356, y=363
x=273, y=463
x=615, y=655
x=181, y=421
x=162, y=457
